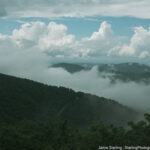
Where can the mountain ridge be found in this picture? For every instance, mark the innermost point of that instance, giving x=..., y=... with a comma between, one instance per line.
x=125, y=72
x=23, y=98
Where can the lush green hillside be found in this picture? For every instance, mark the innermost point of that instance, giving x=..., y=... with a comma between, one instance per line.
x=34, y=116
x=24, y=99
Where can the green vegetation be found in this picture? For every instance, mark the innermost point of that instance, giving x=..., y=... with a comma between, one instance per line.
x=72, y=68
x=35, y=116
x=56, y=134
x=25, y=99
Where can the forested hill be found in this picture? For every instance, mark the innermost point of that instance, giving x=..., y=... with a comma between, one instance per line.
x=72, y=68
x=24, y=99
x=125, y=71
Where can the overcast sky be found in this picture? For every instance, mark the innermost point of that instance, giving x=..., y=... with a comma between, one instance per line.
x=74, y=8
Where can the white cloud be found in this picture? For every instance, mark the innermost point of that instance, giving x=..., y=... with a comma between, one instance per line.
x=29, y=31
x=100, y=42
x=56, y=36
x=53, y=40
x=139, y=45
x=127, y=51
x=144, y=54
x=17, y=54
x=18, y=61
x=74, y=8
x=104, y=31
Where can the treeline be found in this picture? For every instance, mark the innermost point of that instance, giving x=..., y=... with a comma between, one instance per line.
x=55, y=134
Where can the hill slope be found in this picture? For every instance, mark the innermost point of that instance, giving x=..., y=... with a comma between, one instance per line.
x=24, y=99
x=124, y=71
x=127, y=71
x=72, y=68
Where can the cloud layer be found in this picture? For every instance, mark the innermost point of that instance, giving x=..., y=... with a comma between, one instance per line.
x=74, y=8
x=54, y=41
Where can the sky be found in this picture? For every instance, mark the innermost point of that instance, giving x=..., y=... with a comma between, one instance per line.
x=81, y=31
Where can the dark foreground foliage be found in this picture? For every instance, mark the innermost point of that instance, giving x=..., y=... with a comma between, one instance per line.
x=57, y=135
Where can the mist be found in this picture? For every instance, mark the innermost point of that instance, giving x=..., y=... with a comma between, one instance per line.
x=132, y=94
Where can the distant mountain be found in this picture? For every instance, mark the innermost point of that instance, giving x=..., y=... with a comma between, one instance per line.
x=25, y=99
x=72, y=68
x=124, y=71
x=127, y=71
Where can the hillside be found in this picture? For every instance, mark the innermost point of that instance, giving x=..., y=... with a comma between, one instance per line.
x=24, y=99
x=127, y=71
x=72, y=68
x=124, y=71
x=37, y=116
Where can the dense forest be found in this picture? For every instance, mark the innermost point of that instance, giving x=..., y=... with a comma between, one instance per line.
x=22, y=98
x=34, y=116
x=72, y=68
x=55, y=134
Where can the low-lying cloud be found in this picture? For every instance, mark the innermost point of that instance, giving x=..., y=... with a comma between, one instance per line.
x=132, y=94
